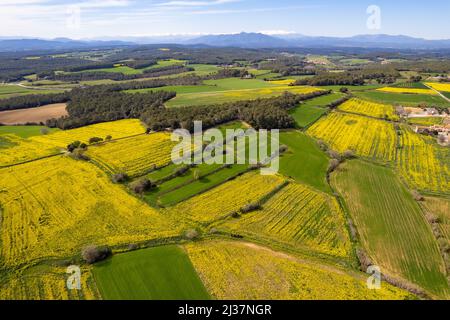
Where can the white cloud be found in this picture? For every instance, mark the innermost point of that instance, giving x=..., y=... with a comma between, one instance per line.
x=195, y=3
x=277, y=32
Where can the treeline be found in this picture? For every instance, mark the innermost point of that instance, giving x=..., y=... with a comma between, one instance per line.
x=95, y=106
x=352, y=77
x=431, y=66
x=14, y=69
x=289, y=66
x=33, y=100
x=118, y=76
x=270, y=113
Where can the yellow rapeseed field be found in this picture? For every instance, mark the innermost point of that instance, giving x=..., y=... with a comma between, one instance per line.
x=367, y=137
x=284, y=82
x=227, y=198
x=373, y=109
x=243, y=271
x=297, y=216
x=44, y=145
x=249, y=94
x=423, y=163
x=47, y=283
x=407, y=90
x=55, y=206
x=439, y=86
x=134, y=156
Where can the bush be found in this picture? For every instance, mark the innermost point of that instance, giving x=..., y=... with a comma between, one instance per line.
x=417, y=196
x=133, y=246
x=94, y=140
x=334, y=163
x=119, y=177
x=322, y=145
x=108, y=138
x=191, y=234
x=74, y=145
x=251, y=207
x=180, y=171
x=334, y=155
x=92, y=254
x=142, y=185
x=78, y=154
x=44, y=131
x=349, y=154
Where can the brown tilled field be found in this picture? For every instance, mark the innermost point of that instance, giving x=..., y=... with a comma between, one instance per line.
x=32, y=115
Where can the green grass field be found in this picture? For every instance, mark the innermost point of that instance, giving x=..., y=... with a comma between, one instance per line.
x=7, y=91
x=231, y=95
x=128, y=70
x=353, y=88
x=426, y=121
x=182, y=188
x=162, y=273
x=404, y=99
x=413, y=85
x=304, y=161
x=307, y=113
x=391, y=225
x=24, y=131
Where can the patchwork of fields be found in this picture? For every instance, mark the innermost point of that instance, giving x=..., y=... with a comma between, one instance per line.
x=208, y=222
x=39, y=146
x=297, y=216
x=385, y=212
x=227, y=198
x=134, y=156
x=367, y=137
x=214, y=97
x=242, y=271
x=55, y=206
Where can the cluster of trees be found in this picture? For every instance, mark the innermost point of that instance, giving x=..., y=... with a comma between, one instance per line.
x=271, y=113
x=93, y=105
x=352, y=77
x=427, y=66
x=289, y=66
x=332, y=79
x=14, y=69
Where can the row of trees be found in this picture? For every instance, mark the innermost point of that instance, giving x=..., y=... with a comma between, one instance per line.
x=91, y=106
x=33, y=100
x=118, y=76
x=380, y=74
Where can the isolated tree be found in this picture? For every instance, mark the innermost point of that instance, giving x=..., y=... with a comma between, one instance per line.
x=142, y=185
x=92, y=254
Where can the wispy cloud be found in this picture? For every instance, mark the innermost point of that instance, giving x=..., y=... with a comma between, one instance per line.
x=195, y=3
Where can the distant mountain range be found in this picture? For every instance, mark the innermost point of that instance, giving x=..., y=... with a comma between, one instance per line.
x=241, y=40
x=12, y=45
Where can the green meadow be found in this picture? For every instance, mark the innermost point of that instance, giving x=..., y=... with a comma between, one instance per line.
x=150, y=274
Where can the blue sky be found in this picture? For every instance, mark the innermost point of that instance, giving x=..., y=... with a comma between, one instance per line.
x=97, y=18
